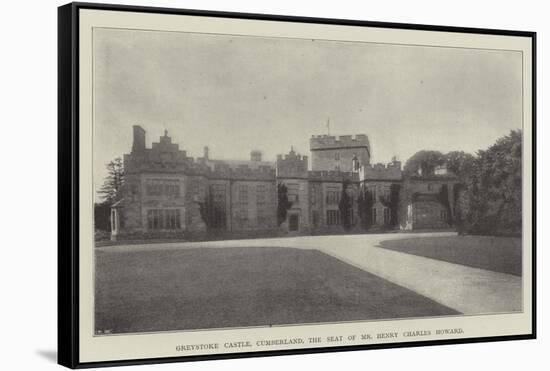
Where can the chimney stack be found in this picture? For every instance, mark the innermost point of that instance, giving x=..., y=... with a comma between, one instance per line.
x=139, y=139
x=255, y=155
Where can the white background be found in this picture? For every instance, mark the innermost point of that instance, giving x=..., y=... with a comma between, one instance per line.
x=28, y=217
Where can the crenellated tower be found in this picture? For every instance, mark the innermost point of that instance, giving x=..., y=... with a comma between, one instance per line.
x=345, y=153
x=292, y=165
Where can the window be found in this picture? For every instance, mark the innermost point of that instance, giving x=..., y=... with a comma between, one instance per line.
x=153, y=217
x=333, y=196
x=430, y=186
x=337, y=156
x=172, y=189
x=355, y=163
x=387, y=215
x=374, y=216
x=292, y=192
x=217, y=211
x=163, y=187
x=443, y=215
x=315, y=194
x=172, y=219
x=333, y=217
x=218, y=193
x=163, y=219
x=243, y=194
x=261, y=194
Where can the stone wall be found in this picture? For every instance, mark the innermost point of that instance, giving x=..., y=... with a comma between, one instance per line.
x=292, y=165
x=391, y=171
x=247, y=191
x=381, y=191
x=253, y=205
x=337, y=153
x=322, y=200
x=298, y=194
x=422, y=193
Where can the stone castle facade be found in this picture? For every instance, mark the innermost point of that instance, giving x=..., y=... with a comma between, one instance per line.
x=168, y=193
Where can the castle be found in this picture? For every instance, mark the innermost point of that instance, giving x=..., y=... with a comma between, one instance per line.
x=168, y=193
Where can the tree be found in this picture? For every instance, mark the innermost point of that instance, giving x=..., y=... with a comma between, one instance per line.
x=345, y=206
x=391, y=201
x=110, y=191
x=461, y=206
x=365, y=202
x=495, y=188
x=394, y=204
x=283, y=204
x=443, y=198
x=463, y=165
x=425, y=161
x=212, y=213
x=460, y=163
x=205, y=209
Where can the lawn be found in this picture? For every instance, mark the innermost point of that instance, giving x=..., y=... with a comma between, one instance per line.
x=498, y=254
x=199, y=288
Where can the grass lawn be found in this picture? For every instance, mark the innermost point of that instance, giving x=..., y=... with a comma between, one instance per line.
x=498, y=254
x=141, y=291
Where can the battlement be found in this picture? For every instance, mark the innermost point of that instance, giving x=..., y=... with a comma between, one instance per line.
x=241, y=172
x=292, y=165
x=163, y=156
x=379, y=171
x=292, y=157
x=320, y=142
x=332, y=176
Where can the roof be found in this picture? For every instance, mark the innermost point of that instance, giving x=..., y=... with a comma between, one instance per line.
x=433, y=177
x=239, y=163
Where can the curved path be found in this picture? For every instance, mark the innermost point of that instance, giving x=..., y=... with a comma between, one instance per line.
x=465, y=289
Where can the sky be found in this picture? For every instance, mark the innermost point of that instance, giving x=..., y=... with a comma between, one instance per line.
x=238, y=93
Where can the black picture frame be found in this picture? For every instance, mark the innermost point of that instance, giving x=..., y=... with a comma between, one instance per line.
x=68, y=180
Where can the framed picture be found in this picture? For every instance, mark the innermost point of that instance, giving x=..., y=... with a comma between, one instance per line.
x=241, y=185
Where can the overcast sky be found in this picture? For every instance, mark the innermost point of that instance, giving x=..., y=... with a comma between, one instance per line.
x=237, y=93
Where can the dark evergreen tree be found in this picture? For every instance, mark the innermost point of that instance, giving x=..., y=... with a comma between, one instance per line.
x=443, y=198
x=460, y=163
x=205, y=209
x=391, y=201
x=110, y=191
x=345, y=206
x=495, y=188
x=394, y=204
x=365, y=202
x=283, y=204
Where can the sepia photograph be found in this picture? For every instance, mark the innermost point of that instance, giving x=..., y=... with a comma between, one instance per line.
x=253, y=181
x=246, y=185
